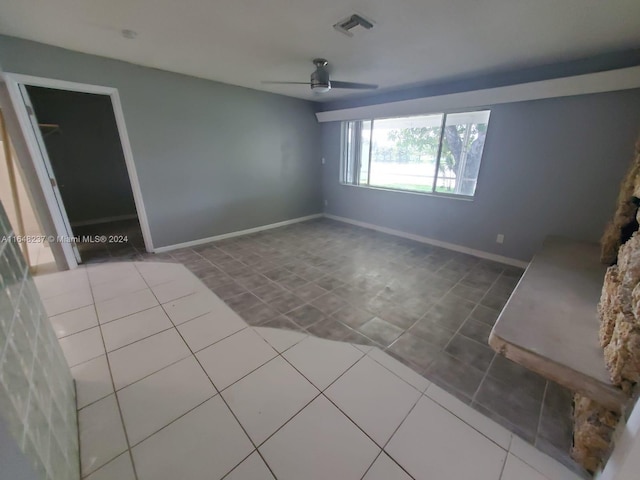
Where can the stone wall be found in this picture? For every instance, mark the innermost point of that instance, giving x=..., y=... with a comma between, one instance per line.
x=624, y=221
x=619, y=311
x=593, y=427
x=620, y=316
x=619, y=306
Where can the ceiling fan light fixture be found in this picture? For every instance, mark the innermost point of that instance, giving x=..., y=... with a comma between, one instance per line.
x=321, y=87
x=320, y=78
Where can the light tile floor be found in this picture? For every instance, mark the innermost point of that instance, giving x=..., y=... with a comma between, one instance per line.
x=207, y=396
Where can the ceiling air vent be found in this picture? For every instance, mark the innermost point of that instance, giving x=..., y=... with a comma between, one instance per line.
x=346, y=25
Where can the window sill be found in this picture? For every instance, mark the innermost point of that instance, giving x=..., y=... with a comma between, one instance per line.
x=464, y=198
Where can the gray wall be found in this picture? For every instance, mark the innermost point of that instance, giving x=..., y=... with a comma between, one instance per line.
x=549, y=167
x=211, y=158
x=85, y=153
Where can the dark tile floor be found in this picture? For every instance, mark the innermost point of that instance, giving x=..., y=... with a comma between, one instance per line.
x=124, y=241
x=429, y=307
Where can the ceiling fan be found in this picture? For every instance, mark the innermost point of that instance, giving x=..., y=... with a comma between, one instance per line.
x=321, y=83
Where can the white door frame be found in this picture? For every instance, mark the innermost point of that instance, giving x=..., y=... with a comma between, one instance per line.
x=42, y=147
x=13, y=80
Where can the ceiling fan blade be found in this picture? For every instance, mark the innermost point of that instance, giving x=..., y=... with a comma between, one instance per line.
x=285, y=83
x=356, y=86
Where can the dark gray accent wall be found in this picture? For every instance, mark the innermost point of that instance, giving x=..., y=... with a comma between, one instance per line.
x=549, y=167
x=211, y=158
x=85, y=153
x=480, y=80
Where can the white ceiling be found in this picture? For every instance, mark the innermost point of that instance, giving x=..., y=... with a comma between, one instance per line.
x=244, y=41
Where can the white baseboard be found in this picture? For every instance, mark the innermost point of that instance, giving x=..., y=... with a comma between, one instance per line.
x=97, y=221
x=450, y=246
x=371, y=226
x=239, y=233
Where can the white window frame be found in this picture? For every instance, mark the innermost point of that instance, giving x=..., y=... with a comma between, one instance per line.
x=346, y=166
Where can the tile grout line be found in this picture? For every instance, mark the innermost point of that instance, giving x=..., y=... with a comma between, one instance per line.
x=406, y=267
x=115, y=394
x=478, y=303
x=322, y=393
x=173, y=325
x=219, y=393
x=255, y=448
x=394, y=373
x=66, y=311
x=450, y=291
x=148, y=375
x=309, y=302
x=124, y=316
x=473, y=398
x=383, y=448
x=467, y=423
x=486, y=373
x=175, y=419
x=504, y=463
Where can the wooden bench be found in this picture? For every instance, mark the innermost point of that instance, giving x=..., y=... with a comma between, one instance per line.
x=550, y=323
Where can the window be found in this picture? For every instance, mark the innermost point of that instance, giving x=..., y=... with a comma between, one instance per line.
x=437, y=153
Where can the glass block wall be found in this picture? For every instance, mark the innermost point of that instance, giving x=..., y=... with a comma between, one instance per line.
x=37, y=396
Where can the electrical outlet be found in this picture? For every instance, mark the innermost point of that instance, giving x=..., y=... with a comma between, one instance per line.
x=323, y=161
x=500, y=238
x=326, y=203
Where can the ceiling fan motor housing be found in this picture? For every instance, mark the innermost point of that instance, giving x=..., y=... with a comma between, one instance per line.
x=320, y=78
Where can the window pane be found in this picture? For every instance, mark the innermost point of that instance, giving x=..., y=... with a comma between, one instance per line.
x=348, y=157
x=462, y=146
x=364, y=151
x=404, y=151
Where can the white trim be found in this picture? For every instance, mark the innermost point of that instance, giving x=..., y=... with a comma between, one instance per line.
x=60, y=84
x=621, y=79
x=42, y=148
x=453, y=196
x=97, y=221
x=133, y=173
x=238, y=233
x=624, y=461
x=418, y=238
x=13, y=79
x=24, y=124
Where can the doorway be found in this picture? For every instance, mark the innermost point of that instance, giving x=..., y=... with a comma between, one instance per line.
x=79, y=147
x=87, y=160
